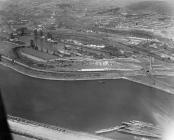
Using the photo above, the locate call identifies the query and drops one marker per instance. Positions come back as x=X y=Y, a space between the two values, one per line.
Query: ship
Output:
x=135 y=128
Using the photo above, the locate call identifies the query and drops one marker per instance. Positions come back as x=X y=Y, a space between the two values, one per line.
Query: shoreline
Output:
x=26 y=128
x=26 y=72
x=85 y=76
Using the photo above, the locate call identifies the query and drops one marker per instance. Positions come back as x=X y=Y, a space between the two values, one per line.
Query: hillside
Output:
x=158 y=7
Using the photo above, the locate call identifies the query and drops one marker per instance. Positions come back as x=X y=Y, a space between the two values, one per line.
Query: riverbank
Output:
x=29 y=129
x=67 y=76
x=137 y=76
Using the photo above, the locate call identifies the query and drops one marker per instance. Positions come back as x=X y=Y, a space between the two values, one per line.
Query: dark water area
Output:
x=80 y=105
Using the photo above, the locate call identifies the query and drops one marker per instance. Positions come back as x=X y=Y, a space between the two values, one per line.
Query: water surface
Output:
x=80 y=105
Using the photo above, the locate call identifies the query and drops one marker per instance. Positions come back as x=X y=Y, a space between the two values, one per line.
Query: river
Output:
x=80 y=105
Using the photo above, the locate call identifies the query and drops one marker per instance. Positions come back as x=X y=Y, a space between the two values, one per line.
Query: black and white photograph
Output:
x=86 y=70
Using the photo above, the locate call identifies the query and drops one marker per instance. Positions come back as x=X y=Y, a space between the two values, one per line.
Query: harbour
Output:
x=71 y=105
